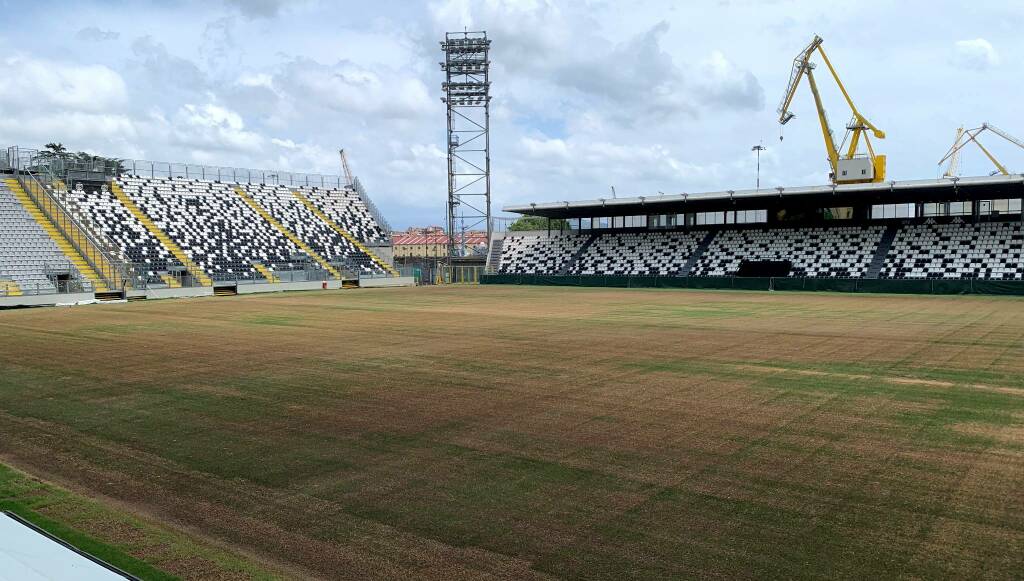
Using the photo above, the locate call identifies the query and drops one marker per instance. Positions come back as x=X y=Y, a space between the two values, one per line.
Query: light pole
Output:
x=758 y=149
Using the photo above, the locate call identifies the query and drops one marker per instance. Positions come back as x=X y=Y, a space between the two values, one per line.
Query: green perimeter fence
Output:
x=854 y=285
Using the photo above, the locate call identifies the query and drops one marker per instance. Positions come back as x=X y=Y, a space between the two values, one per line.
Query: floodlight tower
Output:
x=467 y=89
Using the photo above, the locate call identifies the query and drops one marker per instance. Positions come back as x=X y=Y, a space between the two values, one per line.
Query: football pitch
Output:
x=524 y=432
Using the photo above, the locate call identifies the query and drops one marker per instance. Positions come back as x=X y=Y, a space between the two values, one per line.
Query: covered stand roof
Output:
x=939 y=190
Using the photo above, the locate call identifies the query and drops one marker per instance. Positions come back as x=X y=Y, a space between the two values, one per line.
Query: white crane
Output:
x=963 y=137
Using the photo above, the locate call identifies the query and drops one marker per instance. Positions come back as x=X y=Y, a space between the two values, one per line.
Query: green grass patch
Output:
x=35 y=501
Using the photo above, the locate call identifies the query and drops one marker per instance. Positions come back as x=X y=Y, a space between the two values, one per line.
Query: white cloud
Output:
x=571 y=65
x=351 y=88
x=211 y=127
x=41 y=84
x=977 y=54
x=69 y=126
x=256 y=80
x=268 y=9
x=259 y=8
x=725 y=84
x=646 y=96
x=156 y=67
x=583 y=158
x=95 y=34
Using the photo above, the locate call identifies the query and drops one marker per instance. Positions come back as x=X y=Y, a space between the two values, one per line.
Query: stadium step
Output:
x=265 y=272
x=109 y=296
x=705 y=243
x=287 y=233
x=494 y=255
x=567 y=267
x=160 y=235
x=225 y=291
x=355 y=241
x=9 y=288
x=884 y=245
x=171 y=281
x=73 y=255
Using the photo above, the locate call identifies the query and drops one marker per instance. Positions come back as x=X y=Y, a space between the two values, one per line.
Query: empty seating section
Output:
x=283 y=206
x=213 y=225
x=844 y=251
x=644 y=253
x=149 y=257
x=347 y=209
x=538 y=253
x=814 y=252
x=957 y=251
x=28 y=256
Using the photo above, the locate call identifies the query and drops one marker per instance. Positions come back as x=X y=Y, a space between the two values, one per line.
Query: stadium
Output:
x=212 y=372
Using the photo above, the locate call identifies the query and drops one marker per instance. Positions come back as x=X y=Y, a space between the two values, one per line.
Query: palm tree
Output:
x=54 y=150
x=57 y=152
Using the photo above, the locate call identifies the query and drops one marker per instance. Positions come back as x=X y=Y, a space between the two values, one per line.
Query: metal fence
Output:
x=101 y=167
x=461 y=274
x=44 y=174
x=93 y=247
x=66 y=286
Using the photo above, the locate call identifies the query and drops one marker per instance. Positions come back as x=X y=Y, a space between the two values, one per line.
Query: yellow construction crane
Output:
x=963 y=137
x=847 y=167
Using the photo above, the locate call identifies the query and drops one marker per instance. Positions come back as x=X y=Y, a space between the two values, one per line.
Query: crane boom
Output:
x=1003 y=134
x=801 y=64
x=345 y=168
x=953 y=155
x=847 y=167
x=971 y=135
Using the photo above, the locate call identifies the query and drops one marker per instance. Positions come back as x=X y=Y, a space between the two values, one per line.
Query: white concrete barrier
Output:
x=277 y=287
x=385 y=282
x=175 y=293
x=47 y=300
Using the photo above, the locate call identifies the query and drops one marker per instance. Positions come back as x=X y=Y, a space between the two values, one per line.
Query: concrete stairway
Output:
x=494 y=256
x=9 y=288
x=697 y=254
x=267 y=274
x=345 y=233
x=567 y=267
x=884 y=245
x=170 y=281
x=196 y=272
x=66 y=247
x=288 y=233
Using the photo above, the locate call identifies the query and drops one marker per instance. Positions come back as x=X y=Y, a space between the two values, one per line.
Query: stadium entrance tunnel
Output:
x=895 y=286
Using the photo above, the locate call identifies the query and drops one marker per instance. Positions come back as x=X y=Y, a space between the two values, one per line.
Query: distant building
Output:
x=431 y=242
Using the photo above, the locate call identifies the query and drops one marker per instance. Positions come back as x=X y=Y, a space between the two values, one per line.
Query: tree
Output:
x=58 y=158
x=537 y=223
x=54 y=150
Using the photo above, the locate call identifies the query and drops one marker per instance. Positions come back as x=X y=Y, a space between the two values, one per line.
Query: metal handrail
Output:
x=35 y=160
x=114 y=271
x=58 y=287
x=81 y=217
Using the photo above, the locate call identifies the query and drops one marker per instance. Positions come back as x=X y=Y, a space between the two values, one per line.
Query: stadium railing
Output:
x=100 y=167
x=62 y=287
x=93 y=247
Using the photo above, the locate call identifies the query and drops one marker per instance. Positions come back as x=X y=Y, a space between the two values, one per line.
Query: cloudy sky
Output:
x=645 y=96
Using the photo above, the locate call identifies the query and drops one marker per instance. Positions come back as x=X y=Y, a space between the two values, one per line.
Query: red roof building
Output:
x=430 y=242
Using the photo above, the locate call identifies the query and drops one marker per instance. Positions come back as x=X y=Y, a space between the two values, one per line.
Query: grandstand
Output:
x=135 y=229
x=967 y=229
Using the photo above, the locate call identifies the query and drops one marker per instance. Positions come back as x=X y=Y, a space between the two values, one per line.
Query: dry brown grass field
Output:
x=530 y=432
